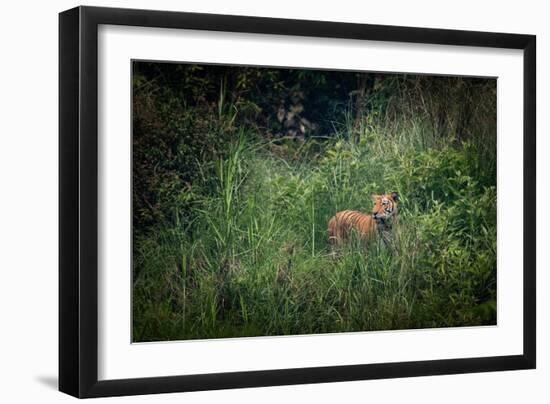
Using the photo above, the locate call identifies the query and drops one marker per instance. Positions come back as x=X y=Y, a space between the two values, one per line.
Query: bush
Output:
x=253 y=259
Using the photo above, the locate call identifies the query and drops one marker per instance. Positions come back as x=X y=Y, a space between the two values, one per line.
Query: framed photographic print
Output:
x=251 y=201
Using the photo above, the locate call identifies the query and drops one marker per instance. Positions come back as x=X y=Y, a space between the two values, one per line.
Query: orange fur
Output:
x=343 y=223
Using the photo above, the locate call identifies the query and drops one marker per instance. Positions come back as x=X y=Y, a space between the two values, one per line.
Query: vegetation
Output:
x=238 y=170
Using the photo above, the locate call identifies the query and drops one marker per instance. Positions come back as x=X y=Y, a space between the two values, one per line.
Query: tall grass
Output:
x=250 y=257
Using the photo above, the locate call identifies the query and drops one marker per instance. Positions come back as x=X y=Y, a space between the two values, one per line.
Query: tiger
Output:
x=380 y=220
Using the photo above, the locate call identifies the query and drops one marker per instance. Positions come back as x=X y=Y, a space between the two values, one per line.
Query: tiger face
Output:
x=385 y=206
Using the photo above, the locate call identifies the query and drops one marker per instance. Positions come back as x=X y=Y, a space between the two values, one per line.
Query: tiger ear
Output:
x=375 y=197
x=395 y=196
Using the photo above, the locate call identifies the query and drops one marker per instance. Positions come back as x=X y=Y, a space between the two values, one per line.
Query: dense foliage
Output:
x=238 y=170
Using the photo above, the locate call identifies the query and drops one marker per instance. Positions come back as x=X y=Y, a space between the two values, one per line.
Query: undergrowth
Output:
x=248 y=253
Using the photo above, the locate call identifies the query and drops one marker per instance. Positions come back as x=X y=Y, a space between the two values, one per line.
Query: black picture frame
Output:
x=78 y=201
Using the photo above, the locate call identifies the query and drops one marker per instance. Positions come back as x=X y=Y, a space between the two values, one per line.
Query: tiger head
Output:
x=385 y=206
